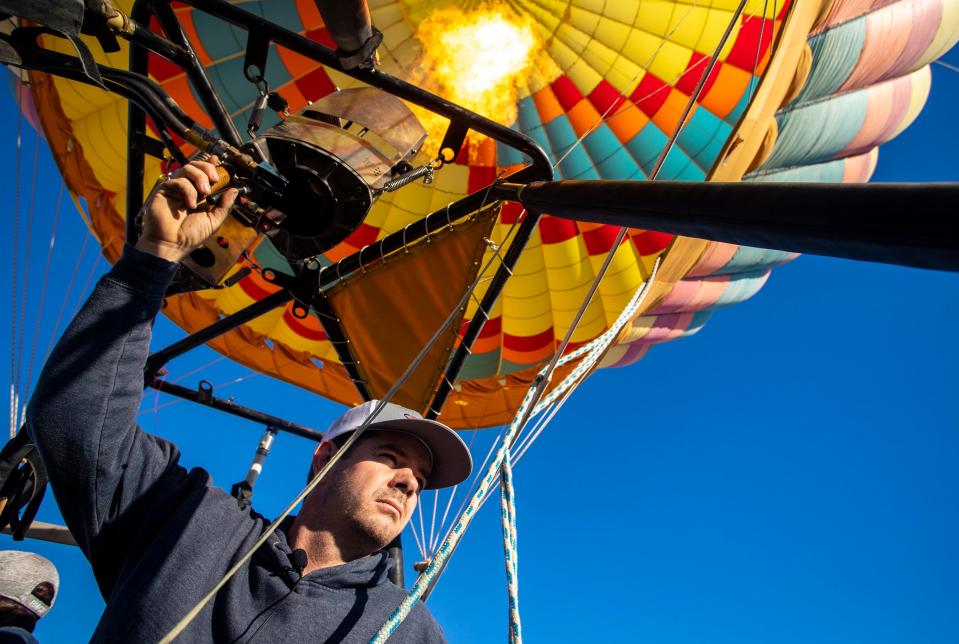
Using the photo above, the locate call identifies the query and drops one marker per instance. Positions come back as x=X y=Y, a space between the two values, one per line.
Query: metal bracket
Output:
x=302 y=287
x=148 y=145
x=365 y=56
x=203 y=395
x=453 y=140
x=257 y=51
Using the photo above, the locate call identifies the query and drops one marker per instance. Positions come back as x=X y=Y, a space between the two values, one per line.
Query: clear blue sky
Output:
x=787 y=475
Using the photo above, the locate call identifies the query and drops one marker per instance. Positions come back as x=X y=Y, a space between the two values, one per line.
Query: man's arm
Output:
x=81 y=416
x=112 y=480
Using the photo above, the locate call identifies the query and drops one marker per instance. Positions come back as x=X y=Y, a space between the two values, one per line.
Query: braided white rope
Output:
x=510 y=553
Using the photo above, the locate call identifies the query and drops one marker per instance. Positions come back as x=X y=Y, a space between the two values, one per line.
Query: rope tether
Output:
x=510 y=553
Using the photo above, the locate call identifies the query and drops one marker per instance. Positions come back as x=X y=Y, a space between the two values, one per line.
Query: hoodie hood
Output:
x=364 y=572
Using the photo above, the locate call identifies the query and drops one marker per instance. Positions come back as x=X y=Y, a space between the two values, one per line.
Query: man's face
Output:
x=371 y=493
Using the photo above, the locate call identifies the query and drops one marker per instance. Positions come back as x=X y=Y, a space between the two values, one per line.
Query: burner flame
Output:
x=477 y=59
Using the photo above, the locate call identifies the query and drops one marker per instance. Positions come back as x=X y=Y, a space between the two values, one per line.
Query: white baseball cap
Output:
x=452 y=462
x=21 y=573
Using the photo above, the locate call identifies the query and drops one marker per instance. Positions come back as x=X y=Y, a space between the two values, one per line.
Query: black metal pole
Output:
x=206 y=398
x=395 y=550
x=197 y=75
x=341 y=344
x=157 y=44
x=136 y=127
x=503 y=273
x=907 y=224
x=215 y=330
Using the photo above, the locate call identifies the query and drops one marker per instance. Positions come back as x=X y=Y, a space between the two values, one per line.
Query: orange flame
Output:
x=476 y=59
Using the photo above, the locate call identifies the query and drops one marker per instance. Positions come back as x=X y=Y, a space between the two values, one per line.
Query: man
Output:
x=159 y=537
x=28 y=586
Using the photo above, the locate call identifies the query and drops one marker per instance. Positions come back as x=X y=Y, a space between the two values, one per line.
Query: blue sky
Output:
x=788 y=474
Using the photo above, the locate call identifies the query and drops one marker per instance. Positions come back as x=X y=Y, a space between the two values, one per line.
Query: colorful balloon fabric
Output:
x=605 y=92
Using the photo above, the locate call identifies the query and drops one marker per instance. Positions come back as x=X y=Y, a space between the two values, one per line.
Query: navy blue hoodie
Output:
x=160 y=537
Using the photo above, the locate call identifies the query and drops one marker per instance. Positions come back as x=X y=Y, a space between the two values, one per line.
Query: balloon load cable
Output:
x=759 y=44
x=434 y=538
x=510 y=552
x=63 y=302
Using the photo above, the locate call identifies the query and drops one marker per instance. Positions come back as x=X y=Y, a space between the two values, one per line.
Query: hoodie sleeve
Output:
x=112 y=481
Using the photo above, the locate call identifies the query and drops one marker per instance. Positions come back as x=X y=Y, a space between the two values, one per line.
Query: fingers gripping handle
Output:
x=223 y=181
x=218 y=187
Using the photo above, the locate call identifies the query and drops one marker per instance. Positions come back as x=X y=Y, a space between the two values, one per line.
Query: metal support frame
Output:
x=540 y=167
x=204 y=396
x=159 y=358
x=181 y=52
x=540 y=170
x=136 y=127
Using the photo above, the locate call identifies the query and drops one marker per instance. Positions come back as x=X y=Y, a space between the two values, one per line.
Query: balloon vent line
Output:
x=63 y=303
x=759 y=47
x=699 y=88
